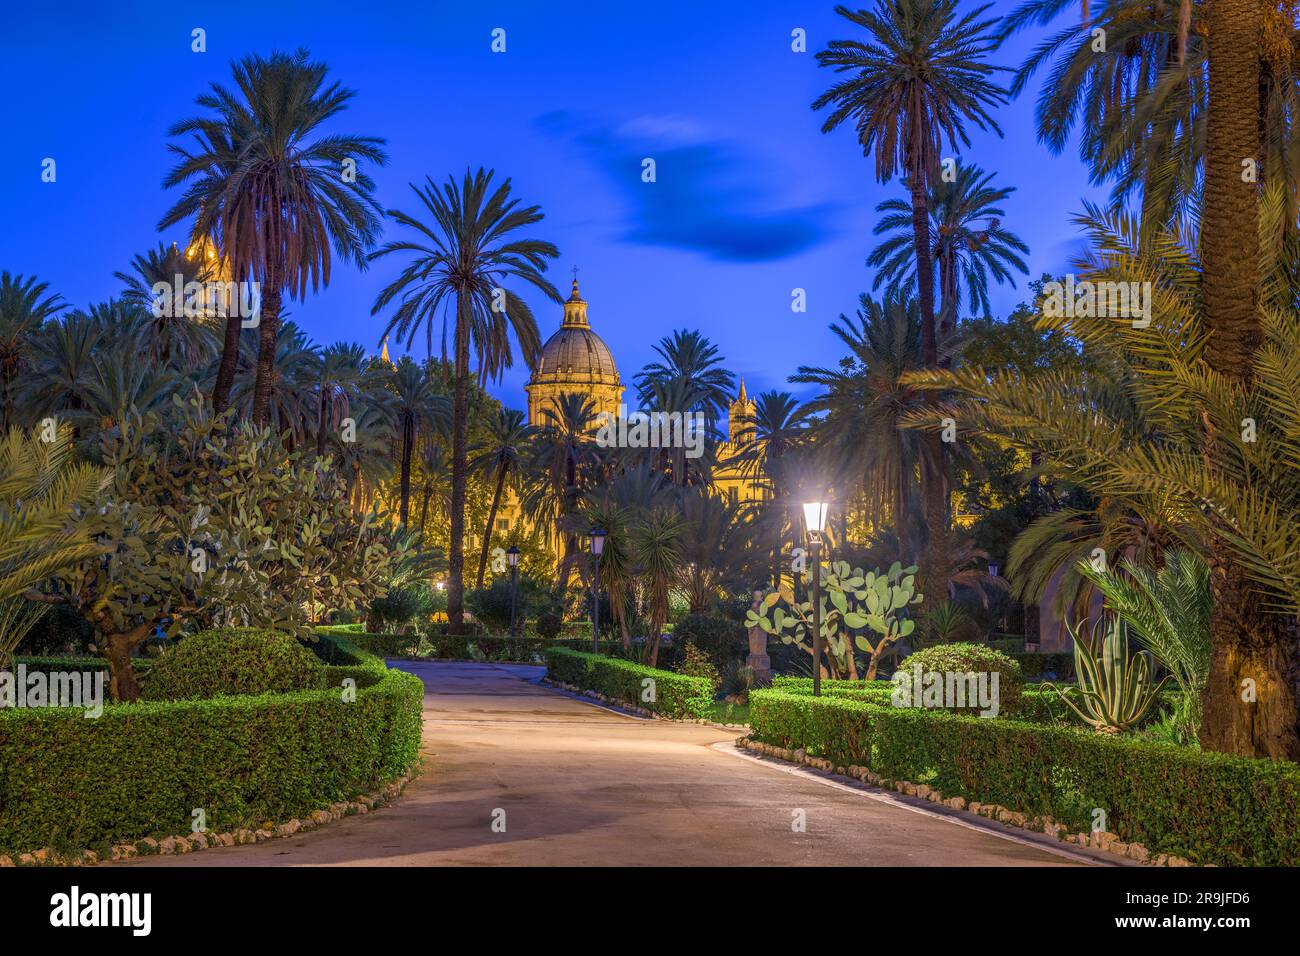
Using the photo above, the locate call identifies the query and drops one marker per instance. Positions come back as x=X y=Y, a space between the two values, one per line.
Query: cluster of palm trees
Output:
x=1182 y=429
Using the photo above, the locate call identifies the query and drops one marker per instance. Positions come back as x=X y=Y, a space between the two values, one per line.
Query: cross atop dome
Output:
x=573 y=296
x=575 y=310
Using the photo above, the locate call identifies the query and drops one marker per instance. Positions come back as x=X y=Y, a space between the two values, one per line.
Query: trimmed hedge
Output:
x=235 y=660
x=1207 y=807
x=138 y=664
x=676 y=695
x=503 y=648
x=141 y=769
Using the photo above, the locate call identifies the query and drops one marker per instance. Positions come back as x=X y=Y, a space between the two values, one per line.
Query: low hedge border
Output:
x=141 y=769
x=499 y=648
x=78 y=663
x=676 y=695
x=1206 y=807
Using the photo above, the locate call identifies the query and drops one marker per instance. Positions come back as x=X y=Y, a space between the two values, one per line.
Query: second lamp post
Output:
x=596 y=538
x=512 y=556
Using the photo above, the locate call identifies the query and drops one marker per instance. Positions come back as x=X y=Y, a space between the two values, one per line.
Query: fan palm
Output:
x=24 y=307
x=43 y=495
x=272 y=200
x=461 y=261
x=498 y=458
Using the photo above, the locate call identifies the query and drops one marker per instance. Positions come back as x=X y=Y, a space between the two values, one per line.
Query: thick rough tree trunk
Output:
x=122 y=685
x=459 y=469
x=267 y=330
x=1250 y=700
x=226 y=370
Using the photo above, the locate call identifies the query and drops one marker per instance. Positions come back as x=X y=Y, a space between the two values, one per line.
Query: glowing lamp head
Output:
x=512 y=556
x=814 y=515
x=596 y=537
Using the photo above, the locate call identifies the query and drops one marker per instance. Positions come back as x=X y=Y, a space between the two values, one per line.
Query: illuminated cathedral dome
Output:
x=574 y=360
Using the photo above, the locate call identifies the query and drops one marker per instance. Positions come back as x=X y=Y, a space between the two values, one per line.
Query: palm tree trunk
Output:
x=459 y=472
x=492 y=517
x=424 y=508
x=408 y=443
x=320 y=423
x=267 y=329
x=1249 y=703
x=933 y=571
x=226 y=370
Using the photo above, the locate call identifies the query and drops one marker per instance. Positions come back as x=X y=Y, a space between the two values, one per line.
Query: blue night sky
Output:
x=752 y=200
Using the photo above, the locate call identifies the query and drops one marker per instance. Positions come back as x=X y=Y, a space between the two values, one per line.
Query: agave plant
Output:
x=1116 y=689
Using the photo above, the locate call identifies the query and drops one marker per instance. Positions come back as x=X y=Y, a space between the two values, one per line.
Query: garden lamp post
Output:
x=512 y=558
x=814 y=517
x=596 y=538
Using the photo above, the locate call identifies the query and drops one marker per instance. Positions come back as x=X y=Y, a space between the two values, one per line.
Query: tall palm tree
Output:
x=916 y=80
x=435 y=482
x=420 y=410
x=859 y=433
x=656 y=544
x=780 y=430
x=337 y=372
x=691 y=358
x=460 y=260
x=270 y=198
x=498 y=457
x=171 y=336
x=968 y=242
x=24 y=307
x=562 y=458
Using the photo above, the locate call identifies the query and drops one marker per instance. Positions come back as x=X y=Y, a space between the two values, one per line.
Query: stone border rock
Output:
x=193 y=842
x=1099 y=840
x=623 y=705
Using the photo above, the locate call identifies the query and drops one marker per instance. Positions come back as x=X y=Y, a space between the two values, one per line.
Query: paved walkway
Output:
x=580 y=785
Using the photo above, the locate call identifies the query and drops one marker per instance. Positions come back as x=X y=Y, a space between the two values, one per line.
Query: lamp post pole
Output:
x=512 y=555
x=596 y=538
x=815 y=547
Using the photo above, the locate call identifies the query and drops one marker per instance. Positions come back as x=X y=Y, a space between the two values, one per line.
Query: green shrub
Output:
x=549 y=624
x=675 y=695
x=722 y=639
x=141 y=769
x=241 y=660
x=1034 y=665
x=1207 y=807
x=491 y=605
x=696 y=663
x=966 y=658
x=401 y=606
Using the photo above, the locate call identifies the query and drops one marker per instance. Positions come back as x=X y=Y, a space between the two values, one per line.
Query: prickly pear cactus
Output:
x=853 y=601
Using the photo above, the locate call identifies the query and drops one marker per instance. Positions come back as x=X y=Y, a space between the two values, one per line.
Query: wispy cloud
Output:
x=710 y=195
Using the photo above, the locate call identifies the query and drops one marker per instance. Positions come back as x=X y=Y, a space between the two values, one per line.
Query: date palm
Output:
x=273 y=194
x=171 y=336
x=460 y=260
x=43 y=493
x=337 y=373
x=689 y=357
x=420 y=410
x=969 y=245
x=24 y=307
x=498 y=458
x=915 y=80
x=858 y=433
x=559 y=468
x=292 y=404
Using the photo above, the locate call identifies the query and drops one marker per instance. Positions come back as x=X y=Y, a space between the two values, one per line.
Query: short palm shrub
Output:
x=969 y=658
x=242 y=660
x=401 y=606
x=549 y=624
